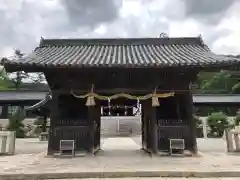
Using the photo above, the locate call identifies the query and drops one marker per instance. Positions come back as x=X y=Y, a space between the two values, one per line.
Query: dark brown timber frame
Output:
x=134 y=66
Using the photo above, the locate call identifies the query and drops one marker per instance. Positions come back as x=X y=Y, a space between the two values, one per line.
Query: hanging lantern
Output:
x=90 y=101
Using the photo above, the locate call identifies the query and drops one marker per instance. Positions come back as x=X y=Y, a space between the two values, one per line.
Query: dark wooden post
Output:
x=54 y=115
x=147 y=131
x=99 y=128
x=97 y=125
x=191 y=122
x=91 y=111
x=150 y=123
x=143 y=128
x=154 y=134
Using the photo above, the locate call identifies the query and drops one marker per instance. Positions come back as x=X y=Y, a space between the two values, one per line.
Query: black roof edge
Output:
x=40 y=103
x=121 y=41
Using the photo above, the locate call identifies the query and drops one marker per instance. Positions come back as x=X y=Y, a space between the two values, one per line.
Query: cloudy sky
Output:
x=23 y=22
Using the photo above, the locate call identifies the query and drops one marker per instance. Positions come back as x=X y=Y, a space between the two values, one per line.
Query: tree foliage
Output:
x=223 y=82
x=19 y=77
x=41 y=123
x=16 y=122
x=5 y=81
x=237 y=119
x=217 y=121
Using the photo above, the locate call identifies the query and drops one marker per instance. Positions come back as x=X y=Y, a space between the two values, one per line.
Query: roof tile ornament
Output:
x=163 y=35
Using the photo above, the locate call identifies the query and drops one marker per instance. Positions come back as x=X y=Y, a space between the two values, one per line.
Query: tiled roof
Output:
x=138 y=52
x=21 y=95
x=215 y=98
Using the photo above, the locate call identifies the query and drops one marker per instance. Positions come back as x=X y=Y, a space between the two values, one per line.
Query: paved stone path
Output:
x=156 y=179
x=118 y=155
x=30 y=146
x=34 y=146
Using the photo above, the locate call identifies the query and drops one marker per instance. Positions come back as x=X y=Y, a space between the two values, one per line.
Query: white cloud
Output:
x=184 y=28
x=6 y=51
x=231 y=42
x=23 y=22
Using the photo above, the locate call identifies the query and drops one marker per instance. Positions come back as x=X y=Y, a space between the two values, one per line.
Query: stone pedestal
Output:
x=236 y=139
x=229 y=140
x=8 y=139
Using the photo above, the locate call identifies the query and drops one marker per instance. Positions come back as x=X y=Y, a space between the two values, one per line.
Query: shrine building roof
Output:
x=123 y=52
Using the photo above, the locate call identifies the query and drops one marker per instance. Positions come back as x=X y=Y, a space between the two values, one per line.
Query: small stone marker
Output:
x=4 y=144
x=7 y=142
x=43 y=136
x=228 y=134
x=236 y=139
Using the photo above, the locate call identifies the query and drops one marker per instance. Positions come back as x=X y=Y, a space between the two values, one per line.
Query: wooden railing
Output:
x=171 y=122
x=72 y=122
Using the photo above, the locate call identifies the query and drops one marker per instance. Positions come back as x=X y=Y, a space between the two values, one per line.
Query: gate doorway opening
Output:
x=121 y=127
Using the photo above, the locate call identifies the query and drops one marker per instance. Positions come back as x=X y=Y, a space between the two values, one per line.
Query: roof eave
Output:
x=10 y=67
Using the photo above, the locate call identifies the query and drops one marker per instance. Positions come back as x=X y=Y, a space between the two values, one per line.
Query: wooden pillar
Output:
x=150 y=124
x=143 y=129
x=147 y=131
x=191 y=122
x=54 y=115
x=91 y=114
x=154 y=134
x=97 y=125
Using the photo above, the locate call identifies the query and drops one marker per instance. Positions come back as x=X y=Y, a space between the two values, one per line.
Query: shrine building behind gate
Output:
x=85 y=74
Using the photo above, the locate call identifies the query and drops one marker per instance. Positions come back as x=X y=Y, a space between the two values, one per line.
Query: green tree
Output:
x=19 y=77
x=41 y=123
x=237 y=119
x=217 y=121
x=15 y=122
x=5 y=81
x=224 y=81
x=219 y=82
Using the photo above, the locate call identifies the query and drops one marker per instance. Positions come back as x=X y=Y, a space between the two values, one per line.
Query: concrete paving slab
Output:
x=158 y=178
x=120 y=157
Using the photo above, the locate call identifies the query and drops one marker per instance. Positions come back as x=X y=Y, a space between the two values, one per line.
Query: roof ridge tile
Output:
x=121 y=41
